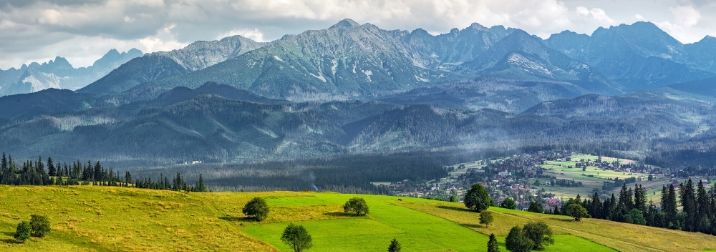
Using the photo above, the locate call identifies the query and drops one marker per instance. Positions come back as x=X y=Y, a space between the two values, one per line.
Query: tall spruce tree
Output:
x=669 y=208
x=51 y=169
x=688 y=204
x=596 y=205
x=703 y=203
x=492 y=244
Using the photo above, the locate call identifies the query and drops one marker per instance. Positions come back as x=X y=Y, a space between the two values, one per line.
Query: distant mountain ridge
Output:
x=356 y=88
x=161 y=65
x=350 y=60
x=60 y=74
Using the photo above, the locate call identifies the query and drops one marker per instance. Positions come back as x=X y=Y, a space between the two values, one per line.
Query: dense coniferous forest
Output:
x=697 y=212
x=41 y=172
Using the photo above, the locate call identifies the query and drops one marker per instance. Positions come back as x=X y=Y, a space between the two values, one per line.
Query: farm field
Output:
x=93 y=218
x=593 y=177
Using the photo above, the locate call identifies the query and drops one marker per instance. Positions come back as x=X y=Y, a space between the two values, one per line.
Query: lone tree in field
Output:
x=539 y=233
x=23 y=231
x=40 y=225
x=257 y=209
x=296 y=237
x=577 y=211
x=394 y=246
x=516 y=241
x=508 y=203
x=492 y=244
x=477 y=198
x=357 y=206
x=486 y=218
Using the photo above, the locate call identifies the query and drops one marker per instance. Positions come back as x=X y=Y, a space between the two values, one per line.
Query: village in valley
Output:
x=546 y=177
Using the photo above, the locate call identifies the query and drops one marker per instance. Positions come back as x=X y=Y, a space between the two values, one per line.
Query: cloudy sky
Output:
x=83 y=30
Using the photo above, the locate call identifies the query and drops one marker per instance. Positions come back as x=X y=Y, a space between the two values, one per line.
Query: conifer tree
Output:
x=492 y=244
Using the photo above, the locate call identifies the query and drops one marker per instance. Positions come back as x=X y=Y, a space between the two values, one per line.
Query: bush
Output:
x=535 y=207
x=486 y=218
x=23 y=231
x=40 y=225
x=635 y=216
x=297 y=237
x=477 y=198
x=394 y=246
x=577 y=211
x=508 y=203
x=539 y=233
x=357 y=206
x=516 y=241
x=257 y=209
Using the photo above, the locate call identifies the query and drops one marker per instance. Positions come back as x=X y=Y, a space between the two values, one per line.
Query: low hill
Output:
x=91 y=218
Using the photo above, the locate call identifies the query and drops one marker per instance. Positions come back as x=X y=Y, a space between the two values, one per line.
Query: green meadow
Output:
x=92 y=218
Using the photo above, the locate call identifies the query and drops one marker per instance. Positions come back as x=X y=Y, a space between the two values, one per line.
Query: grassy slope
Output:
x=102 y=218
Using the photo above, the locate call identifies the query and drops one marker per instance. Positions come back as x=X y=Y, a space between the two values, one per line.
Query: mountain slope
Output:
x=161 y=65
x=344 y=60
x=638 y=56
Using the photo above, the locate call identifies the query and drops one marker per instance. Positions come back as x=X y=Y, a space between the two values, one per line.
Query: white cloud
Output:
x=686 y=16
x=682 y=24
x=253 y=34
x=40 y=29
x=597 y=14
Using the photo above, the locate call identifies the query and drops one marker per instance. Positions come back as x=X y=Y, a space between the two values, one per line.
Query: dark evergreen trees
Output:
x=492 y=245
x=688 y=204
x=394 y=246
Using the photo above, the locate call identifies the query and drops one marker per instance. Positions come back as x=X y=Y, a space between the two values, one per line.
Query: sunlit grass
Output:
x=93 y=218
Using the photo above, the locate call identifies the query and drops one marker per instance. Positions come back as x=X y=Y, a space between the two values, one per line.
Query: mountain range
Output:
x=356 y=88
x=60 y=74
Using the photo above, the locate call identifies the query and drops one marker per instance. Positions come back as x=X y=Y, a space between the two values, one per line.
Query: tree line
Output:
x=688 y=206
x=41 y=172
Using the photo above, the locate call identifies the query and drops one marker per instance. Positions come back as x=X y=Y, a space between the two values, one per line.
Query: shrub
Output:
x=486 y=218
x=516 y=241
x=257 y=209
x=394 y=246
x=635 y=216
x=23 y=231
x=508 y=203
x=535 y=207
x=539 y=233
x=40 y=225
x=577 y=211
x=357 y=206
x=297 y=237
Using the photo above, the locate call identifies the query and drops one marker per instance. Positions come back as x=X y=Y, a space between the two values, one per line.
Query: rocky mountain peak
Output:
x=345 y=24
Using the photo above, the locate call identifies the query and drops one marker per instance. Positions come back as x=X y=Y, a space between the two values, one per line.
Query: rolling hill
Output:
x=91 y=218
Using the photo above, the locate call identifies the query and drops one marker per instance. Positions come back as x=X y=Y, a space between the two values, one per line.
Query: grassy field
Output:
x=88 y=218
x=593 y=177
